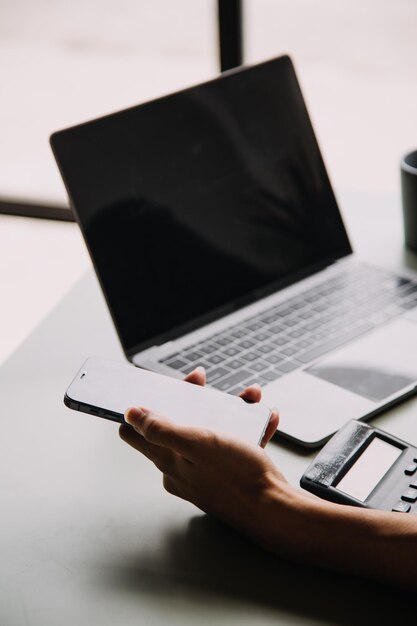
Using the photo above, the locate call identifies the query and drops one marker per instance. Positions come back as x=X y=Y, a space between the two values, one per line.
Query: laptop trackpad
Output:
x=377 y=366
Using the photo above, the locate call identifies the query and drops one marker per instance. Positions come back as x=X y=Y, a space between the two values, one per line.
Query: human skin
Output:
x=240 y=485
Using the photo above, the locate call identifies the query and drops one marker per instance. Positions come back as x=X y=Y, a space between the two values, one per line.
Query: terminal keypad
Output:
x=410 y=495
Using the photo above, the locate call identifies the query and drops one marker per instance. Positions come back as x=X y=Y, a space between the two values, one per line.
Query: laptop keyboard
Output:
x=291 y=334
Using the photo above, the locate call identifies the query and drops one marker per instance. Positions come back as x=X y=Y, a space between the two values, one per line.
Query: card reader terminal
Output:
x=367 y=467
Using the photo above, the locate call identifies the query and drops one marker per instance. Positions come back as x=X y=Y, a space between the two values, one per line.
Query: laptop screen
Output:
x=196 y=203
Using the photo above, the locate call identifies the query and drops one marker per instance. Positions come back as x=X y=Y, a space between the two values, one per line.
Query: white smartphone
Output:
x=107 y=388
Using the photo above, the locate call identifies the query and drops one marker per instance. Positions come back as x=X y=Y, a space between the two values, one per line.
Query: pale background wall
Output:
x=63 y=62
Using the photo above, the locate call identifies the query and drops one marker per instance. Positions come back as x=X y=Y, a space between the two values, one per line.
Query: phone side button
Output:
x=115 y=417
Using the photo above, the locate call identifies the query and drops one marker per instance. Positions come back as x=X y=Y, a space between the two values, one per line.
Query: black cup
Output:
x=409 y=197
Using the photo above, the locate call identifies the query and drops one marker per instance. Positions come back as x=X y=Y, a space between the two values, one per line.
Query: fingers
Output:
x=197 y=376
x=159 y=431
x=163 y=458
x=271 y=428
x=171 y=486
x=252 y=393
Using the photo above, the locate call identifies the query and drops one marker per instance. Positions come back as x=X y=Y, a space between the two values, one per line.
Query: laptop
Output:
x=217 y=240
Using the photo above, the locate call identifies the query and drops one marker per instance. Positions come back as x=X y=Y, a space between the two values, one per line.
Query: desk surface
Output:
x=88 y=536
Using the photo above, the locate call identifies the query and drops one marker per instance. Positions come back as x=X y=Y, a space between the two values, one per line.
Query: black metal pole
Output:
x=230 y=33
x=29 y=209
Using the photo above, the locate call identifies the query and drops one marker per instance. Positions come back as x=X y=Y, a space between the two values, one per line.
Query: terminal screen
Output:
x=364 y=475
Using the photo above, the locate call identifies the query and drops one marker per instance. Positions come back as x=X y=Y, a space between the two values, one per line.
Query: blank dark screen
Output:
x=197 y=200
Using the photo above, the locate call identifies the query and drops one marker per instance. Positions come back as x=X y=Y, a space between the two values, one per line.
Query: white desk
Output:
x=89 y=537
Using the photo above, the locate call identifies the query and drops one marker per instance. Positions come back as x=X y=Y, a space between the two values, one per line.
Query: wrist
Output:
x=309 y=530
x=304 y=528
x=360 y=541
x=288 y=514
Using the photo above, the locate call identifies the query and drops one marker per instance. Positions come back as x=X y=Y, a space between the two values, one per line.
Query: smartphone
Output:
x=107 y=388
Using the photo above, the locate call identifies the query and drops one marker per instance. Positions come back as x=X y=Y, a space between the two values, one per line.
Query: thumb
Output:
x=161 y=431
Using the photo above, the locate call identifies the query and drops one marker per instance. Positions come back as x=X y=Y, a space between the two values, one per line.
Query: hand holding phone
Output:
x=107 y=388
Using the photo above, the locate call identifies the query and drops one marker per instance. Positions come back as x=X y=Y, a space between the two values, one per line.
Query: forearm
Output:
x=371 y=543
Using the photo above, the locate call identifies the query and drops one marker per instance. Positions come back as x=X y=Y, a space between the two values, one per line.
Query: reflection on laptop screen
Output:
x=196 y=200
